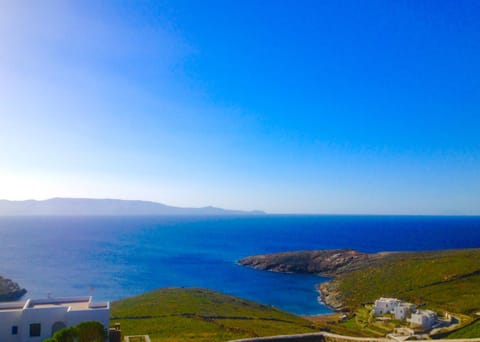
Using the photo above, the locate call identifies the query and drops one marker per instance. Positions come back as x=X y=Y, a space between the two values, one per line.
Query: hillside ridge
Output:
x=89 y=206
x=422 y=276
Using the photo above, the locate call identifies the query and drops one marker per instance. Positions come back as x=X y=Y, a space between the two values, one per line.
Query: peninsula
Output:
x=445 y=280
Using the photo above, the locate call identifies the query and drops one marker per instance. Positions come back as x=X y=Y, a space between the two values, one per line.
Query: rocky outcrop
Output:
x=325 y=262
x=10 y=290
x=331 y=295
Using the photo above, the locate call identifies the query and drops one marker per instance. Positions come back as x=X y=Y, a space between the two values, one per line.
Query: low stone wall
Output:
x=341 y=338
x=316 y=337
x=328 y=337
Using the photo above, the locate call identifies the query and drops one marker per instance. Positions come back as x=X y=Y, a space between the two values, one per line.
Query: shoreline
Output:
x=330 y=296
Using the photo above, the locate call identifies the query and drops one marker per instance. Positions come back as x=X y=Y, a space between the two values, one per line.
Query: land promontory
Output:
x=10 y=290
x=325 y=262
x=445 y=279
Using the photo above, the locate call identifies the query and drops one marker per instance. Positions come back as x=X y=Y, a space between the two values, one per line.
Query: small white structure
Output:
x=423 y=318
x=403 y=310
x=402 y=334
x=36 y=320
x=385 y=306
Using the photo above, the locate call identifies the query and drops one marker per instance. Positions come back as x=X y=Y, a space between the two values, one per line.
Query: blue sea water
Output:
x=116 y=257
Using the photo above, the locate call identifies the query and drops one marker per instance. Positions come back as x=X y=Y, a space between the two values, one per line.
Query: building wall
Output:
x=8 y=319
x=100 y=315
x=423 y=319
x=402 y=312
x=383 y=306
x=46 y=317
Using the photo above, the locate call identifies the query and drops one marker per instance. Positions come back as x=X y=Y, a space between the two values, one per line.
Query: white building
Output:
x=385 y=306
x=403 y=310
x=36 y=320
x=423 y=318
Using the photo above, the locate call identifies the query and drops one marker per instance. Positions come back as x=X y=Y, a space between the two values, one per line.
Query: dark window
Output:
x=14 y=330
x=35 y=329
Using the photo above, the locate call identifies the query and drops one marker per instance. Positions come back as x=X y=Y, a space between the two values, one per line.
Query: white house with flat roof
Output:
x=423 y=318
x=403 y=310
x=385 y=305
x=34 y=320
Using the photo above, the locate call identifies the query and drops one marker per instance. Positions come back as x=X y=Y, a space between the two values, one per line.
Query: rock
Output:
x=10 y=290
x=324 y=262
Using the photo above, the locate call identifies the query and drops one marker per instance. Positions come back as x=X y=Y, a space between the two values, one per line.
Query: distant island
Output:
x=10 y=290
x=89 y=206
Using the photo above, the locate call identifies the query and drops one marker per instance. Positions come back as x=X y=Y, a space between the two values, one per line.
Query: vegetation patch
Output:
x=193 y=314
x=443 y=280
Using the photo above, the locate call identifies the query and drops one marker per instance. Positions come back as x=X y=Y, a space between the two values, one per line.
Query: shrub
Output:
x=91 y=332
x=66 y=335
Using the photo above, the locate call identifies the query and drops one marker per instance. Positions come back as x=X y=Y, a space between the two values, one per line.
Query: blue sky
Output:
x=285 y=106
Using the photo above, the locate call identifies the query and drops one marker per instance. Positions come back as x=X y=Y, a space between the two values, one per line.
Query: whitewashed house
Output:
x=403 y=310
x=36 y=320
x=423 y=318
x=385 y=306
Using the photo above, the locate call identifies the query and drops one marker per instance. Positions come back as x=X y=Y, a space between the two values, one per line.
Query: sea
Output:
x=116 y=257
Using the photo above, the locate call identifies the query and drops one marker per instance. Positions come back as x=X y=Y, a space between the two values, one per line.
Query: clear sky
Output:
x=286 y=106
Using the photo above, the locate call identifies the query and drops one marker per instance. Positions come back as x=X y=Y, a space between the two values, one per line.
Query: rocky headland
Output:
x=330 y=263
x=10 y=290
x=325 y=262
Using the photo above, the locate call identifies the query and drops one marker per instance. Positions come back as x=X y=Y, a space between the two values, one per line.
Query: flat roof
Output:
x=12 y=306
x=73 y=305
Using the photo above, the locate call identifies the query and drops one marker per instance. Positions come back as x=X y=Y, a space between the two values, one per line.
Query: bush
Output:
x=91 y=332
x=66 y=335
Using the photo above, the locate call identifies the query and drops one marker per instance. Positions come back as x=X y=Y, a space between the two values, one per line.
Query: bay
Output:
x=116 y=257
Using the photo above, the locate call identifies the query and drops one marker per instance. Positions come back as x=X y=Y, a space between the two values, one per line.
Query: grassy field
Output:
x=360 y=324
x=470 y=331
x=191 y=314
x=443 y=280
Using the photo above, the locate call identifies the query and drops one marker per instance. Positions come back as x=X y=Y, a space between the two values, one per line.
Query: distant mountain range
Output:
x=89 y=206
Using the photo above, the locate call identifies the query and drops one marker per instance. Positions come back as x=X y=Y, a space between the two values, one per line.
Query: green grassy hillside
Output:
x=192 y=314
x=470 y=331
x=444 y=280
x=441 y=280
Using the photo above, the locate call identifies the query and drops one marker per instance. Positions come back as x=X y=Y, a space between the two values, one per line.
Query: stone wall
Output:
x=328 y=337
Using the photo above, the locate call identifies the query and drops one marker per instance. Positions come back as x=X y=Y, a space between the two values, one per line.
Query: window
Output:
x=35 y=329
x=14 y=330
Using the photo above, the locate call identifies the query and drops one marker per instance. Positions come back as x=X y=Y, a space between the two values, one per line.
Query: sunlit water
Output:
x=116 y=257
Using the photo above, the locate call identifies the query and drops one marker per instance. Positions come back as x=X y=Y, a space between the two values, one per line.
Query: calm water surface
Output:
x=116 y=257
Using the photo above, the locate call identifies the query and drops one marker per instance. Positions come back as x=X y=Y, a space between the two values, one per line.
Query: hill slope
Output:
x=88 y=206
x=193 y=314
x=446 y=280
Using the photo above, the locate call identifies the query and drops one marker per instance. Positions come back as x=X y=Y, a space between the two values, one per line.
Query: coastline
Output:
x=330 y=296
